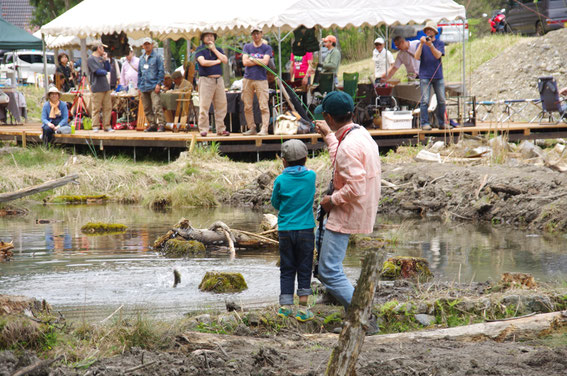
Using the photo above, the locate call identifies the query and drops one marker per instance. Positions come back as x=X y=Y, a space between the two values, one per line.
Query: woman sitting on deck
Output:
x=54 y=116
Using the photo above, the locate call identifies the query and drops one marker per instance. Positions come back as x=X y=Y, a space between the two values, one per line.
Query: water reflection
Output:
x=92 y=275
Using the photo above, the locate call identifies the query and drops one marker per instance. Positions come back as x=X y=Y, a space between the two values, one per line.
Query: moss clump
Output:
x=95 y=228
x=86 y=199
x=182 y=248
x=221 y=282
x=402 y=267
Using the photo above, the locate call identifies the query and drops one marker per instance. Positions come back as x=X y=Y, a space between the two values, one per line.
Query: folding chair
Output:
x=350 y=84
x=550 y=101
x=326 y=83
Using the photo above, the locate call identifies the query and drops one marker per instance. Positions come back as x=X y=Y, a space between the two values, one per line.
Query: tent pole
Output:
x=45 y=80
x=280 y=67
x=464 y=71
x=84 y=57
x=387 y=46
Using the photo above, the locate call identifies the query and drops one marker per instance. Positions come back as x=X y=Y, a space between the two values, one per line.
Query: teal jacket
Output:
x=293 y=195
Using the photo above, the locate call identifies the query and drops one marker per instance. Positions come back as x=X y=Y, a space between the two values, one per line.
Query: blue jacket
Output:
x=61 y=120
x=293 y=194
x=150 y=73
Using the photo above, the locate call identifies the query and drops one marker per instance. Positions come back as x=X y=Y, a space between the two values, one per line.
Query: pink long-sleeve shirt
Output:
x=356 y=181
x=130 y=72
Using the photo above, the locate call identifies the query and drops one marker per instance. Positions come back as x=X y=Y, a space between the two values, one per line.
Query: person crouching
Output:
x=292 y=196
x=54 y=116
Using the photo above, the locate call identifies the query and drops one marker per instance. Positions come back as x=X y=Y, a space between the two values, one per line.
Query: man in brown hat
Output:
x=211 y=84
x=99 y=67
x=429 y=53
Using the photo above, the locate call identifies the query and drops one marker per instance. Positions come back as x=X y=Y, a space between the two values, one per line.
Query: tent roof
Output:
x=14 y=38
x=184 y=19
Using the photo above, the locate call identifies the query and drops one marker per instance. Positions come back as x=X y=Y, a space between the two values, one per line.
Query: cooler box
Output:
x=396 y=119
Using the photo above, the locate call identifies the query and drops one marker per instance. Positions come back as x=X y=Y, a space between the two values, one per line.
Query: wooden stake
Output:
x=39 y=188
x=345 y=354
x=24 y=139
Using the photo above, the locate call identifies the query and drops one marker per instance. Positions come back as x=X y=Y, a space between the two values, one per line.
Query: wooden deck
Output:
x=235 y=143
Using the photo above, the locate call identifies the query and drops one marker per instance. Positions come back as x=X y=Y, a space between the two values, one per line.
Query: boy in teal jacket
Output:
x=293 y=195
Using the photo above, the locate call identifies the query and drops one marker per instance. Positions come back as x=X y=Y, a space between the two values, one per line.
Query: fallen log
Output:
x=37 y=365
x=4 y=197
x=524 y=327
x=215 y=235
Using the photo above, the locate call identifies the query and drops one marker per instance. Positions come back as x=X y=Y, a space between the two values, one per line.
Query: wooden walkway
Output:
x=237 y=143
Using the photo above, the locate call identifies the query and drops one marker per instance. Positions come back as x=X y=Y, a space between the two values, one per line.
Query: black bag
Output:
x=305 y=41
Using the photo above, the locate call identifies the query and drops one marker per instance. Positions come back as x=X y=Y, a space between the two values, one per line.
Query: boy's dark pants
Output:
x=296 y=257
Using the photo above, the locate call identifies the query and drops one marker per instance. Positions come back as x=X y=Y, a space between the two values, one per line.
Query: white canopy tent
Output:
x=177 y=19
x=184 y=19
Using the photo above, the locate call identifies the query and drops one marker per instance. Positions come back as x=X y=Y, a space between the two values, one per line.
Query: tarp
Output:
x=184 y=19
x=14 y=38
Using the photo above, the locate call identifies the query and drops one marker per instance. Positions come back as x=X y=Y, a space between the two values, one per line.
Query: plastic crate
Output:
x=396 y=119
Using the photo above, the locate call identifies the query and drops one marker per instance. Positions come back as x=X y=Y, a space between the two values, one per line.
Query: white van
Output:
x=29 y=63
x=452 y=31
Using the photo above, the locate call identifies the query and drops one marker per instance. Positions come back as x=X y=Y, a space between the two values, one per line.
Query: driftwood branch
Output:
x=140 y=366
x=345 y=354
x=36 y=365
x=4 y=197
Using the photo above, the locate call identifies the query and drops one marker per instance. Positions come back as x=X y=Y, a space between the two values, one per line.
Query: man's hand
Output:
x=51 y=125
x=327 y=204
x=563 y=91
x=423 y=39
x=211 y=46
x=157 y=89
x=322 y=127
x=305 y=80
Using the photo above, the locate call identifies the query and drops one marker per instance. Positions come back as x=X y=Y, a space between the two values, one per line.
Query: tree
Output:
x=46 y=10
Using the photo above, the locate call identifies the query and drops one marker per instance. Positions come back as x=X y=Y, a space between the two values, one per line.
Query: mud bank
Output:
x=523 y=196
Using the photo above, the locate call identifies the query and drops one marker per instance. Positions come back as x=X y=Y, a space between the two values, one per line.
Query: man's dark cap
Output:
x=336 y=103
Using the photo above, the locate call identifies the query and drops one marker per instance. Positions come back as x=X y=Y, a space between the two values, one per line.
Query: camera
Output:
x=428 y=39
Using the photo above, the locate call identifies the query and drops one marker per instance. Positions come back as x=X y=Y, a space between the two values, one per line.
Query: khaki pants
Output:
x=211 y=90
x=101 y=101
x=152 y=108
x=263 y=95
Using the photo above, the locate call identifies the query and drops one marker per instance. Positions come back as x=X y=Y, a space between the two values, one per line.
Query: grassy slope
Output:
x=478 y=51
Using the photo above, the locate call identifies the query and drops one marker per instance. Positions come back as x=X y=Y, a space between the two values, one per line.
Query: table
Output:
x=16 y=106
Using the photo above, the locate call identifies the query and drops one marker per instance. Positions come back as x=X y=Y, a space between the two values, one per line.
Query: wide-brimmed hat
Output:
x=431 y=25
x=207 y=31
x=336 y=103
x=294 y=150
x=53 y=89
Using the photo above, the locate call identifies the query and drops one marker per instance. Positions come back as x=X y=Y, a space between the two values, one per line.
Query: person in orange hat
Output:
x=332 y=59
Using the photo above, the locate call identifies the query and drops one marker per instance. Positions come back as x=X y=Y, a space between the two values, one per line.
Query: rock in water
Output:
x=182 y=248
x=402 y=267
x=221 y=282
x=176 y=278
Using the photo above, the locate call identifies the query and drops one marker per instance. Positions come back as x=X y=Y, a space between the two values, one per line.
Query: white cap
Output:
x=379 y=40
x=147 y=40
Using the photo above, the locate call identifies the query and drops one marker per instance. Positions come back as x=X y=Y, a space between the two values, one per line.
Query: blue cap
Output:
x=336 y=103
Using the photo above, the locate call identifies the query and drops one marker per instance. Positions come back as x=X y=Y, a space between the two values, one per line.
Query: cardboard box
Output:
x=396 y=119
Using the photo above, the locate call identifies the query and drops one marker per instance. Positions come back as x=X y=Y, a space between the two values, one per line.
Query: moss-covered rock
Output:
x=221 y=282
x=403 y=267
x=182 y=248
x=80 y=199
x=98 y=228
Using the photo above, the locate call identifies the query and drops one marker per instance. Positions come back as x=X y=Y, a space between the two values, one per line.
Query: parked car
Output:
x=536 y=17
x=28 y=63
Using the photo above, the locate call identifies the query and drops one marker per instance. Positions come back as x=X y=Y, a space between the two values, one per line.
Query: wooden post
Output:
x=24 y=139
x=345 y=354
x=167 y=55
x=84 y=57
x=193 y=140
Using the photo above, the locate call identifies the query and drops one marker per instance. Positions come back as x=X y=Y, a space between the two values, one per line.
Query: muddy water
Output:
x=88 y=276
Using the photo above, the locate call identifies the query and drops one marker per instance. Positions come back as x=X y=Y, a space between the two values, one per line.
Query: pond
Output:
x=90 y=276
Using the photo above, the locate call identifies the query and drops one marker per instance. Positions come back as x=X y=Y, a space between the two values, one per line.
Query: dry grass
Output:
x=201 y=179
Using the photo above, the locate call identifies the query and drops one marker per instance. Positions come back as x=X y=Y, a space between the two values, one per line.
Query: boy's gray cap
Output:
x=294 y=150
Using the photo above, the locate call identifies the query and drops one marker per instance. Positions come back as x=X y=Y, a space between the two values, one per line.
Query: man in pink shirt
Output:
x=356 y=181
x=130 y=70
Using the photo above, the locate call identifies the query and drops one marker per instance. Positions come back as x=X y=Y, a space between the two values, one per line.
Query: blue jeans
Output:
x=438 y=86
x=331 y=273
x=296 y=258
